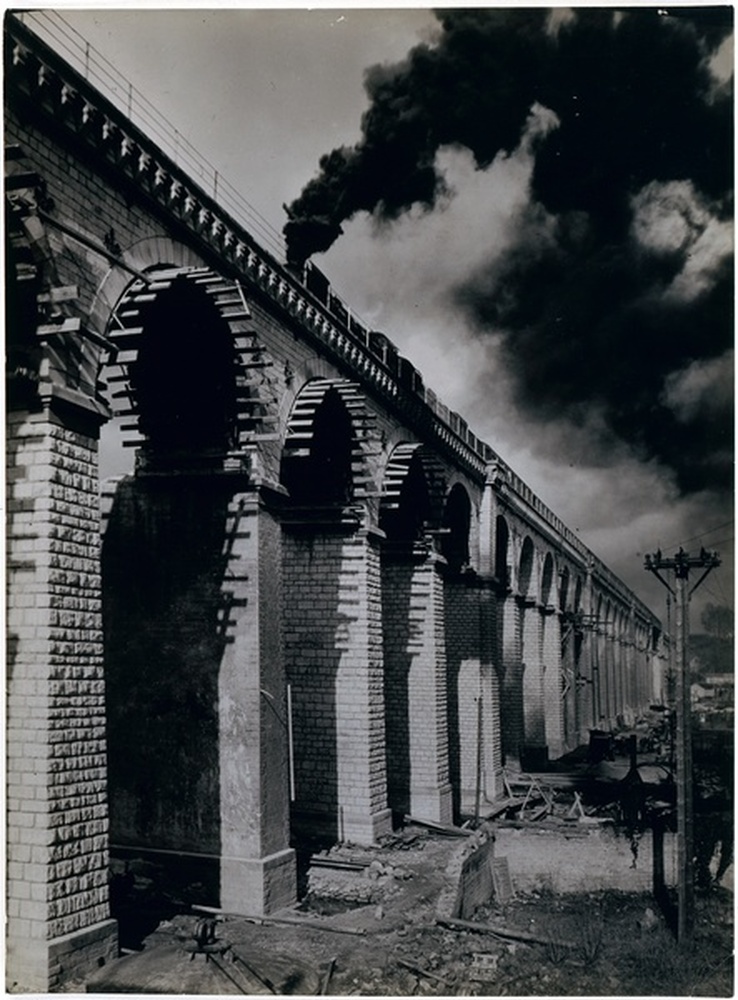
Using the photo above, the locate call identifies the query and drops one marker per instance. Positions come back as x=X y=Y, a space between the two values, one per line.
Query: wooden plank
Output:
x=327 y=978
x=419 y=970
x=312 y=925
x=452 y=831
x=505 y=805
x=503 y=932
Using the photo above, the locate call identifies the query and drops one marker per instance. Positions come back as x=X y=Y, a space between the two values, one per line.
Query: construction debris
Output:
x=422 y=972
x=314 y=925
x=327 y=977
x=444 y=828
x=503 y=932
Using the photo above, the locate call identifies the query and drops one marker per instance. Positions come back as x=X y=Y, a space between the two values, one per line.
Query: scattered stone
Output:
x=483 y=966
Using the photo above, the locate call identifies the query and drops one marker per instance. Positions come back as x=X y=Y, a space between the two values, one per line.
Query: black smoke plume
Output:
x=622 y=302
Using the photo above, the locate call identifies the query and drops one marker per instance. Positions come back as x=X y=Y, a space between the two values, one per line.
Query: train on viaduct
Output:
x=318 y=603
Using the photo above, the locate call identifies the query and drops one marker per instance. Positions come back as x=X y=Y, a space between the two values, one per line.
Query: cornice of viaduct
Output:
x=72 y=107
x=75 y=108
x=518 y=499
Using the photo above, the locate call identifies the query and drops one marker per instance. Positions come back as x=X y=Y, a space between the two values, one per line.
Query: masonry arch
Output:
x=569 y=659
x=582 y=656
x=564 y=595
x=598 y=661
x=182 y=378
x=609 y=662
x=502 y=544
x=577 y=604
x=179 y=370
x=323 y=460
x=186 y=376
x=153 y=253
x=622 y=678
x=316 y=461
x=405 y=506
x=525 y=567
x=413 y=624
x=332 y=643
x=456 y=525
x=547 y=580
x=461 y=643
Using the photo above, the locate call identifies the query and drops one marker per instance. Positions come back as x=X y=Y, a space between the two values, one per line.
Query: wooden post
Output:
x=685 y=811
x=681 y=564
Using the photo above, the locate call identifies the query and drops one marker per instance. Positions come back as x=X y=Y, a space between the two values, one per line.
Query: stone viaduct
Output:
x=319 y=603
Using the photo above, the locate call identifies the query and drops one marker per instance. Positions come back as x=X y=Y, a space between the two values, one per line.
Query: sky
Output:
x=536 y=207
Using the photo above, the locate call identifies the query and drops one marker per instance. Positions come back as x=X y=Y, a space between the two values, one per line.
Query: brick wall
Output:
x=84 y=197
x=553 y=702
x=197 y=704
x=533 y=694
x=165 y=631
x=490 y=692
x=333 y=653
x=415 y=689
x=464 y=660
x=509 y=615
x=56 y=762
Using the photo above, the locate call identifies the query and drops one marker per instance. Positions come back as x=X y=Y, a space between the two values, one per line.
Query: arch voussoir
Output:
x=128 y=327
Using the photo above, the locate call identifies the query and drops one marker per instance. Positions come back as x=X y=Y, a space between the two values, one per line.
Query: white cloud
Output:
x=673 y=218
x=702 y=388
x=721 y=67
x=706 y=256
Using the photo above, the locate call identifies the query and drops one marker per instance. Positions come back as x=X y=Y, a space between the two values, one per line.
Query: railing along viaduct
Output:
x=318 y=602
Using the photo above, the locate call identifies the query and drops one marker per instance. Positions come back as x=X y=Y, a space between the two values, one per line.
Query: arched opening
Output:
x=409 y=583
x=502 y=541
x=183 y=378
x=581 y=677
x=547 y=579
x=317 y=457
x=405 y=508
x=525 y=570
x=564 y=589
x=175 y=562
x=598 y=663
x=456 y=524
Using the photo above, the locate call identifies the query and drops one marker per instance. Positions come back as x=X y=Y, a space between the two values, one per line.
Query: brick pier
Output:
x=58 y=918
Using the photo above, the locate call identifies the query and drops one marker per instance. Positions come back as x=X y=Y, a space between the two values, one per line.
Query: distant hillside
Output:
x=709 y=654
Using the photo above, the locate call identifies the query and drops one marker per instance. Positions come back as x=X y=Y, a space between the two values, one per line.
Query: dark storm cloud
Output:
x=463 y=91
x=617 y=294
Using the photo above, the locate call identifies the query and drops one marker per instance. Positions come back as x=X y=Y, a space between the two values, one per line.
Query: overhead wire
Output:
x=92 y=63
x=702 y=534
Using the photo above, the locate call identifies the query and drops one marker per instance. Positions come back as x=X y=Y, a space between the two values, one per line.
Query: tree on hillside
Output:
x=717 y=620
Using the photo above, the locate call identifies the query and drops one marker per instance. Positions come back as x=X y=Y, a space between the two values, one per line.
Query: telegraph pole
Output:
x=681 y=564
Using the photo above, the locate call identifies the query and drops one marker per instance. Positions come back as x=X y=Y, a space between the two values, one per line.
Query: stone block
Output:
x=258 y=886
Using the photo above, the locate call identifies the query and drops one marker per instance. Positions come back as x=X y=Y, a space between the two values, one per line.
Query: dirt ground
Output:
x=368 y=927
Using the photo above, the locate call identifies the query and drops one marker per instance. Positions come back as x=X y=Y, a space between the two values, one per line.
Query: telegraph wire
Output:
x=722 y=541
x=719 y=597
x=702 y=534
